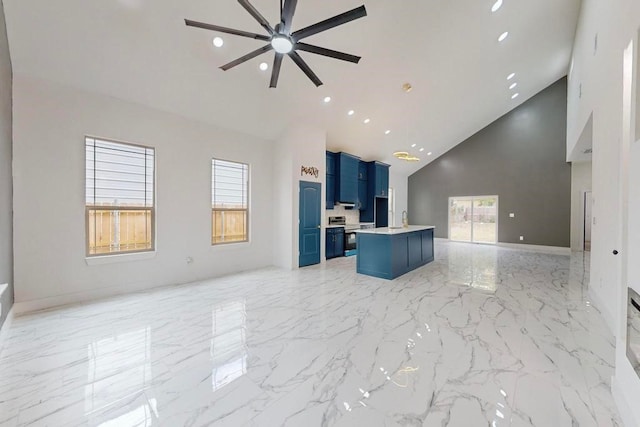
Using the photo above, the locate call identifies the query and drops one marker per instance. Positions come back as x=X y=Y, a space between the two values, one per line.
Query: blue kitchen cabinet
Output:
x=330 y=180
x=362 y=195
x=334 y=244
x=362 y=186
x=362 y=171
x=347 y=178
x=395 y=252
x=331 y=163
x=381 y=179
x=375 y=205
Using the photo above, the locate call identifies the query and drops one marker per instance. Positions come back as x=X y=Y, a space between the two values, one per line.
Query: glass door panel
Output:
x=484 y=219
x=473 y=219
x=460 y=211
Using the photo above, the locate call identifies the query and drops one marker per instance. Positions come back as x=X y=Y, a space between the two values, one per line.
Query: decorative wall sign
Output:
x=309 y=170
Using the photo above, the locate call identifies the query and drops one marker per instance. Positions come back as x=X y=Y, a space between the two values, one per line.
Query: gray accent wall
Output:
x=521 y=158
x=6 y=180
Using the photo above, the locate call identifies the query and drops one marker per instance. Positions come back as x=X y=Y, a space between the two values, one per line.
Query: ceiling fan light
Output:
x=281 y=44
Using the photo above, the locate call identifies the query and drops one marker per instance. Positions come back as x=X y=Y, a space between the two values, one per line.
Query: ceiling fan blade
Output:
x=287 y=15
x=327 y=24
x=327 y=52
x=220 y=29
x=256 y=15
x=248 y=56
x=305 y=68
x=277 y=63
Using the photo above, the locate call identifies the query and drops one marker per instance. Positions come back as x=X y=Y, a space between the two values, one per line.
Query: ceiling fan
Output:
x=284 y=41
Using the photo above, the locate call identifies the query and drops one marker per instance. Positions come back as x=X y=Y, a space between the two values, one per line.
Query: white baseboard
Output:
x=554 y=250
x=623 y=405
x=22 y=307
x=4 y=329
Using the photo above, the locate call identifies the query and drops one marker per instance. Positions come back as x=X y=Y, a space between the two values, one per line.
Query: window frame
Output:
x=246 y=210
x=88 y=208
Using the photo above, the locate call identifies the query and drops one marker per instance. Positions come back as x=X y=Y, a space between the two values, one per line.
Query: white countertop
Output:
x=335 y=226
x=396 y=230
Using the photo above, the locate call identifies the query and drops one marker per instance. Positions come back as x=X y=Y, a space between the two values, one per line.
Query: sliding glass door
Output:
x=473 y=219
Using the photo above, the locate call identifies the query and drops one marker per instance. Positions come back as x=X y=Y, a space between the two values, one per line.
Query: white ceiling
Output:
x=140 y=50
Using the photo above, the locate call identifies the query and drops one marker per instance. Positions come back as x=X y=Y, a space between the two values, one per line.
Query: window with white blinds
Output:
x=119 y=197
x=229 y=202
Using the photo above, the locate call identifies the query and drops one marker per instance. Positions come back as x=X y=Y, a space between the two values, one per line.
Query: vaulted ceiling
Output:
x=141 y=51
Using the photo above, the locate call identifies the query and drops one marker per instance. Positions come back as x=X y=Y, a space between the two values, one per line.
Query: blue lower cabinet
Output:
x=334 y=243
x=391 y=255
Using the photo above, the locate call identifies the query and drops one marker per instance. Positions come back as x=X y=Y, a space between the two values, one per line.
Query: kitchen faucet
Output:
x=405 y=219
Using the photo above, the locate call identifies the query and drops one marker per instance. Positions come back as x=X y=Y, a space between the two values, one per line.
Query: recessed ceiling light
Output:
x=429 y=153
x=264 y=66
x=503 y=36
x=513 y=85
x=497 y=5
x=514 y=96
x=413 y=145
x=351 y=112
x=510 y=76
x=387 y=132
x=327 y=99
x=218 y=42
x=421 y=150
x=366 y=121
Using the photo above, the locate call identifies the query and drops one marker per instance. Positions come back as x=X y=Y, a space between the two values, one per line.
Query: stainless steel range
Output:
x=349 y=232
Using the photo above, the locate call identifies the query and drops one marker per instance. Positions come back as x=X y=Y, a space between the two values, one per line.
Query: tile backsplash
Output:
x=352 y=215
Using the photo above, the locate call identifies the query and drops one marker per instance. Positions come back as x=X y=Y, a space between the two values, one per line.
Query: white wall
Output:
x=282 y=203
x=580 y=182
x=300 y=145
x=50 y=123
x=6 y=203
x=598 y=75
x=400 y=185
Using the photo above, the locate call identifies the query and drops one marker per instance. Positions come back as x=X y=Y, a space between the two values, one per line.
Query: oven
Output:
x=349 y=240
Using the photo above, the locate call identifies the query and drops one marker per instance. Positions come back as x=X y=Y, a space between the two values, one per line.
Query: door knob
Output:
x=615 y=252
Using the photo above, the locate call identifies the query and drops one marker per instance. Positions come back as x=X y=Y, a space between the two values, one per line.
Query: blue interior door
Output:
x=309 y=229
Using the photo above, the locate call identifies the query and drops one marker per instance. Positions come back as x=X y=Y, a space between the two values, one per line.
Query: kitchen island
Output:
x=390 y=252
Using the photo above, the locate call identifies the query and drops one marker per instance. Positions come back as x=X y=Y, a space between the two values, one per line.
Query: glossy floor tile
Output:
x=482 y=336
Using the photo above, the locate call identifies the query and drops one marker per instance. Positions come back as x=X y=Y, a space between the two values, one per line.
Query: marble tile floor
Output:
x=483 y=336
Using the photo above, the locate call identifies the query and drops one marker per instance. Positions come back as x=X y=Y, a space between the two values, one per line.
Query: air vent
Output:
x=588 y=151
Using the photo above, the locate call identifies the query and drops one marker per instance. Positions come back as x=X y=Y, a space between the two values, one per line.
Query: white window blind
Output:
x=229 y=196
x=119 y=196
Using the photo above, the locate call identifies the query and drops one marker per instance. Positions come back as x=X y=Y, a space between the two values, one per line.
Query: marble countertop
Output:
x=396 y=230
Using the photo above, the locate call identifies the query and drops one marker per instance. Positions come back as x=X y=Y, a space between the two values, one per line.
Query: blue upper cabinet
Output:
x=380 y=180
x=331 y=163
x=362 y=171
x=347 y=178
x=362 y=186
x=330 y=180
